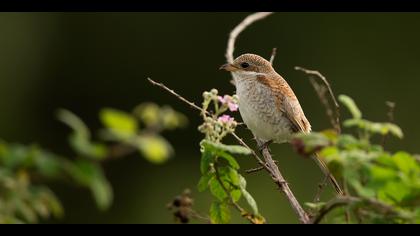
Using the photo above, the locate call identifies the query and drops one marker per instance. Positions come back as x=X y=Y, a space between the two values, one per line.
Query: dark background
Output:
x=86 y=61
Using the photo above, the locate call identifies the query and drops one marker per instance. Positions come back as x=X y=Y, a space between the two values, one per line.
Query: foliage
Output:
x=219 y=167
x=25 y=171
x=381 y=186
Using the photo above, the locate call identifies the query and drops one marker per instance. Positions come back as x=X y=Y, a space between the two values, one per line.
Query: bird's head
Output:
x=248 y=65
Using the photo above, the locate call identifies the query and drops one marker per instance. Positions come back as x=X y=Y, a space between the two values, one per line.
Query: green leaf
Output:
x=207 y=159
x=394 y=192
x=230 y=159
x=351 y=106
x=405 y=162
x=154 y=148
x=395 y=130
x=248 y=197
x=234 y=149
x=315 y=205
x=74 y=122
x=80 y=139
x=217 y=189
x=90 y=175
x=120 y=123
x=236 y=194
x=219 y=213
x=203 y=184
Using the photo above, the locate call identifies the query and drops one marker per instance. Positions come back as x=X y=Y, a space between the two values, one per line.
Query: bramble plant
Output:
x=219 y=167
x=24 y=170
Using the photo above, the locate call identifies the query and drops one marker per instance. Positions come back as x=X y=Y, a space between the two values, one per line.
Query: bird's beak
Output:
x=228 y=67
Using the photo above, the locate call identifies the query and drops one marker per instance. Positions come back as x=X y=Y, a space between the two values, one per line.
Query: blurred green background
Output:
x=86 y=61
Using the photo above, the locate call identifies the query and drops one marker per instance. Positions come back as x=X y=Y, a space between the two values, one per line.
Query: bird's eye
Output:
x=244 y=65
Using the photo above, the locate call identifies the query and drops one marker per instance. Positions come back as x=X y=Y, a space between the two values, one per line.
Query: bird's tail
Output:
x=327 y=173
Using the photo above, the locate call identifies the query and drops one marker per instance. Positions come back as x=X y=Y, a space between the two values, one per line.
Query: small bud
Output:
x=214 y=91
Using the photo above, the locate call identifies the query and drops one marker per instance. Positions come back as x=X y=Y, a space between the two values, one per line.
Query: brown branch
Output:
x=284 y=186
x=321 y=91
x=239 y=28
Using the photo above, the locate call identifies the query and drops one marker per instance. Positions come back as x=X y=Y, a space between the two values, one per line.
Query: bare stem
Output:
x=239 y=28
x=273 y=55
x=390 y=114
x=320 y=90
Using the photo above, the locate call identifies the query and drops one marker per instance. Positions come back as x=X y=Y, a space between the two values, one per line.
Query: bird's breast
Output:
x=257 y=106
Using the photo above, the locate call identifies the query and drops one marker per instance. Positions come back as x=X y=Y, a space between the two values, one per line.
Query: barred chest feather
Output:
x=258 y=110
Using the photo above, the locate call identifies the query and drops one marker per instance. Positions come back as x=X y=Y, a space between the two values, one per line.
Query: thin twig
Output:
x=161 y=85
x=175 y=94
x=335 y=122
x=239 y=28
x=390 y=114
x=321 y=187
x=257 y=169
x=273 y=55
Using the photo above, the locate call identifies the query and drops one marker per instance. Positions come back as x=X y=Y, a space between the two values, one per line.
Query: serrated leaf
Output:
x=351 y=106
x=219 y=213
x=120 y=123
x=217 y=189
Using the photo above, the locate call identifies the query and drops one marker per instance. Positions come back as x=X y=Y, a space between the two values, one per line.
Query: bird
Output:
x=268 y=106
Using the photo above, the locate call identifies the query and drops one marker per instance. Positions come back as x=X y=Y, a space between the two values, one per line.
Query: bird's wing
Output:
x=293 y=111
x=287 y=102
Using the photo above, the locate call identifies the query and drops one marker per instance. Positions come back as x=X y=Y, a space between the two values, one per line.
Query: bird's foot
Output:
x=263 y=146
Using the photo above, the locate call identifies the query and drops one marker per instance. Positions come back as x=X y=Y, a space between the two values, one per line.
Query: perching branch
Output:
x=271 y=167
x=321 y=91
x=239 y=28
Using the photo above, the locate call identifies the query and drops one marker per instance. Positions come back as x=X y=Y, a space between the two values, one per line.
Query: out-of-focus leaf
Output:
x=80 y=140
x=91 y=175
x=351 y=106
x=405 y=162
x=120 y=123
x=74 y=122
x=149 y=113
x=154 y=148
x=172 y=119
x=393 y=192
x=219 y=213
